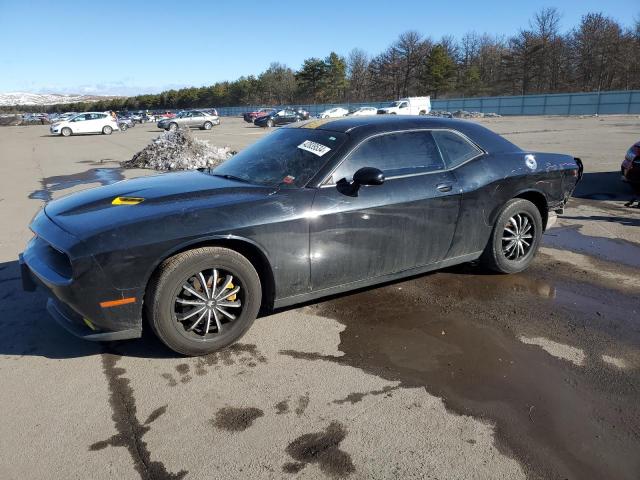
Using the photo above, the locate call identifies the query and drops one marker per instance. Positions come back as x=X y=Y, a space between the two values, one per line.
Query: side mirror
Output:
x=368 y=176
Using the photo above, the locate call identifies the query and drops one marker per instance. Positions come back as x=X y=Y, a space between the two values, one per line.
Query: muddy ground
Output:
x=455 y=374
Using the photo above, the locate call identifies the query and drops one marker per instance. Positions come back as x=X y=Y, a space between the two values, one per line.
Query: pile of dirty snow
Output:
x=178 y=150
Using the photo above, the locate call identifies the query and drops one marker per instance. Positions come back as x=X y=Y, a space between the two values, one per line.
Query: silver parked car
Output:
x=190 y=118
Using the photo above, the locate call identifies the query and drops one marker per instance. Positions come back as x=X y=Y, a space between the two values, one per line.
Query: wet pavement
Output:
x=99 y=176
x=460 y=373
x=456 y=333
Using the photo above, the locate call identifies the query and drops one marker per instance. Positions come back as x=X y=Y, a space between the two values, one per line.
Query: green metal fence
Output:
x=624 y=102
x=601 y=103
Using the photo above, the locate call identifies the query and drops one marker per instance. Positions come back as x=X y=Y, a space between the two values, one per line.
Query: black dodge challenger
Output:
x=313 y=209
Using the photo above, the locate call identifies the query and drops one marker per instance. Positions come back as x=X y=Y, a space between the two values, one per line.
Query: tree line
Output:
x=598 y=54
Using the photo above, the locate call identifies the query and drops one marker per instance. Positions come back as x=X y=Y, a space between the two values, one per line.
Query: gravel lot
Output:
x=456 y=374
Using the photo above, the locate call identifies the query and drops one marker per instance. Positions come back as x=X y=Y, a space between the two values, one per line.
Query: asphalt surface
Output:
x=454 y=374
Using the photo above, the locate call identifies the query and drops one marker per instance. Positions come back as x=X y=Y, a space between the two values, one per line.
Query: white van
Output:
x=408 y=106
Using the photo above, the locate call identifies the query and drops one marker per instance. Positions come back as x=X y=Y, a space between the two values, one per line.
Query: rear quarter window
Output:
x=455 y=148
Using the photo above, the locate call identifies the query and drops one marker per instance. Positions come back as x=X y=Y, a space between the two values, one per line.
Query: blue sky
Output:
x=130 y=47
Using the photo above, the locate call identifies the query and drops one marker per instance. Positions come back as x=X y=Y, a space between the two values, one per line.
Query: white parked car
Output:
x=363 y=111
x=334 y=113
x=408 y=106
x=88 y=122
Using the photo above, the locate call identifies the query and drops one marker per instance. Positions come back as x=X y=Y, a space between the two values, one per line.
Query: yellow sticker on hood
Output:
x=127 y=201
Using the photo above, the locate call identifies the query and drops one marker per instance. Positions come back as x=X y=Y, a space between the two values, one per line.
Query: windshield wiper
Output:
x=231 y=177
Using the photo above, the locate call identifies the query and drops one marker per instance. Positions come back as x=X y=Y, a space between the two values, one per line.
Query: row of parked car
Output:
x=271 y=117
x=72 y=123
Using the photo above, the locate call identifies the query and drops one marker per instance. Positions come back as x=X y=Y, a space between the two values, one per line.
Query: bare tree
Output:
x=411 y=51
x=358 y=75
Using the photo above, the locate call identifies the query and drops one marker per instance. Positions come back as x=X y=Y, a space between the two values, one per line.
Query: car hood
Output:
x=87 y=212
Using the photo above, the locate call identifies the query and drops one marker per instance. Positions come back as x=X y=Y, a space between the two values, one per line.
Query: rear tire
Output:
x=172 y=127
x=515 y=238
x=107 y=130
x=123 y=127
x=65 y=132
x=270 y=123
x=165 y=300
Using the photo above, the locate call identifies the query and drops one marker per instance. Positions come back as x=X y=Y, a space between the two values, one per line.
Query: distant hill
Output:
x=25 y=98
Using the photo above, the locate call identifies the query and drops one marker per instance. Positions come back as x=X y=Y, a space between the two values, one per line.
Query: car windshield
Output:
x=393 y=104
x=287 y=158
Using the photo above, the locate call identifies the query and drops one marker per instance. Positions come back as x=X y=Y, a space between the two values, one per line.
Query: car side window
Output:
x=401 y=153
x=455 y=148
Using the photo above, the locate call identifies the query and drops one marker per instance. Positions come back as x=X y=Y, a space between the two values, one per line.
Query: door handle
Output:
x=444 y=187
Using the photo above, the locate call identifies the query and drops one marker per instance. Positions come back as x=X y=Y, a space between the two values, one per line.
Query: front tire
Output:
x=270 y=123
x=107 y=130
x=203 y=300
x=515 y=238
x=173 y=127
x=65 y=132
x=123 y=127
x=207 y=125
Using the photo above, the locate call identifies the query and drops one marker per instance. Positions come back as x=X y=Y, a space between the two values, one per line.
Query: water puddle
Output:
x=103 y=176
x=449 y=333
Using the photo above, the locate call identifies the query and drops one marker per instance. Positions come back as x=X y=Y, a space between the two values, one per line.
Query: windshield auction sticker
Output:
x=313 y=147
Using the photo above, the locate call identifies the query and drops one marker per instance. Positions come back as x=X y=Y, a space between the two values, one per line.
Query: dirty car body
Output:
x=308 y=235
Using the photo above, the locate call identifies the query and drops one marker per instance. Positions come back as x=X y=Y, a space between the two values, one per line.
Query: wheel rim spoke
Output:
x=195 y=311
x=204 y=284
x=193 y=292
x=218 y=323
x=225 y=295
x=223 y=286
x=230 y=304
x=214 y=282
x=197 y=321
x=227 y=314
x=206 y=329
x=190 y=302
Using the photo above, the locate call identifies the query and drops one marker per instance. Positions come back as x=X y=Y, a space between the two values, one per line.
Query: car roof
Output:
x=364 y=126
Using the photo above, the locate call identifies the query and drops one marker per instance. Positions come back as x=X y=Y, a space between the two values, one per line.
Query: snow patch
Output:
x=178 y=150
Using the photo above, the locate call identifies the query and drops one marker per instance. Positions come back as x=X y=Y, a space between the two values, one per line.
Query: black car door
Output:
x=407 y=221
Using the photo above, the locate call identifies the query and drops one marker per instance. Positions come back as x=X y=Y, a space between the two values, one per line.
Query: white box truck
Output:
x=408 y=106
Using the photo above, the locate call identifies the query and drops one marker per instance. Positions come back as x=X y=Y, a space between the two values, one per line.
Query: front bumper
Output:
x=75 y=300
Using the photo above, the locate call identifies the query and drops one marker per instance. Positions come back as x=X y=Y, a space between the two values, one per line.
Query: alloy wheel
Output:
x=207 y=301
x=517 y=237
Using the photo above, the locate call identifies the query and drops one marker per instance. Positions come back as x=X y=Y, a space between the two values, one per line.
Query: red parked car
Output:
x=630 y=167
x=167 y=114
x=249 y=117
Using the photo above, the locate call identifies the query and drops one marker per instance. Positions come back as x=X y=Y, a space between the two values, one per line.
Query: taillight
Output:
x=578 y=172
